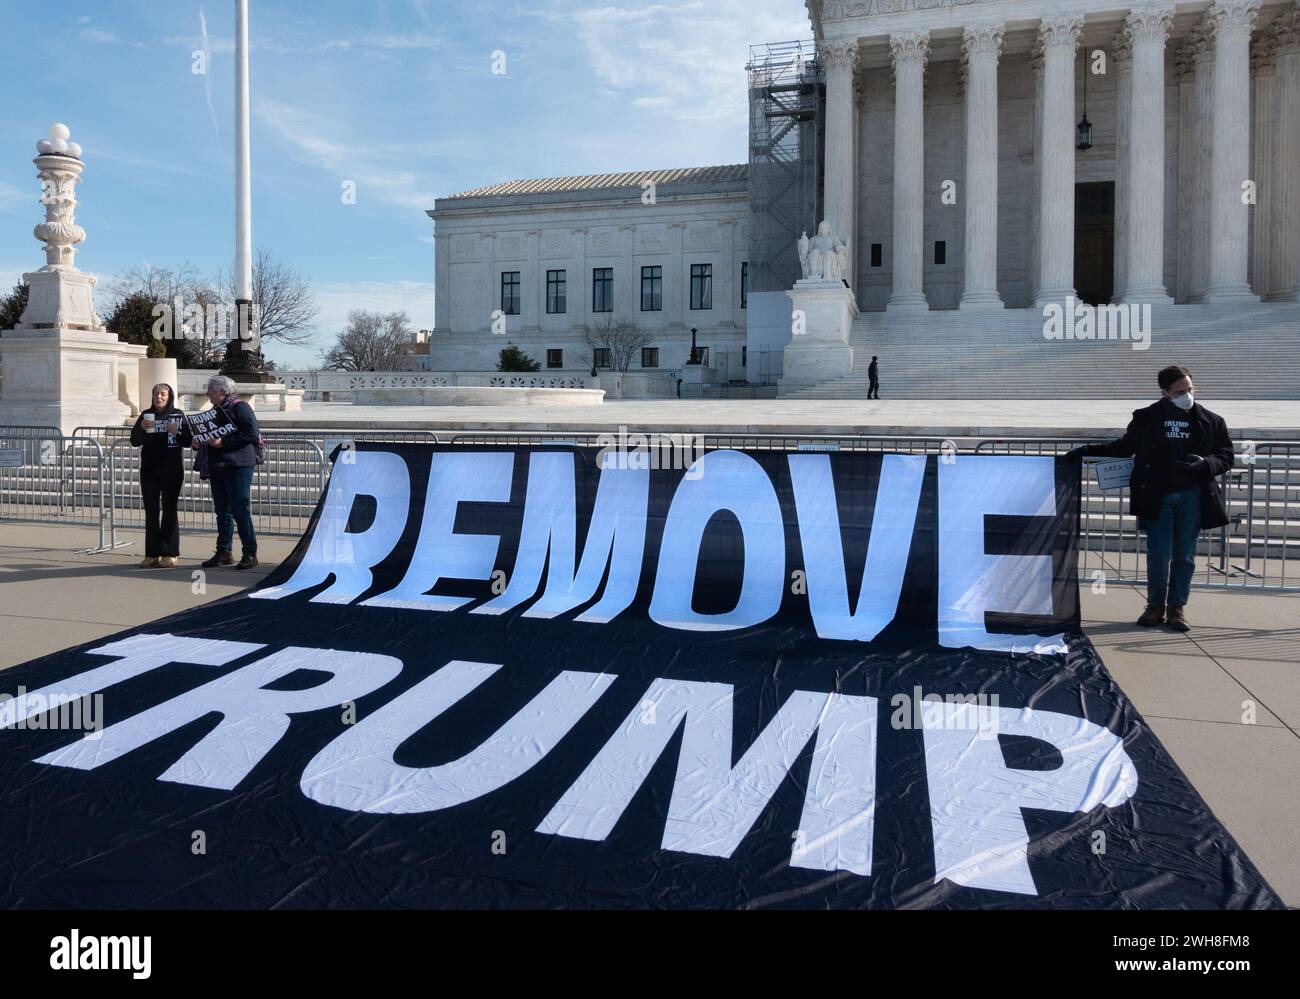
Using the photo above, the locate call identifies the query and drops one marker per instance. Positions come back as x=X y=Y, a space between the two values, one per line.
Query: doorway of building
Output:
x=1094 y=241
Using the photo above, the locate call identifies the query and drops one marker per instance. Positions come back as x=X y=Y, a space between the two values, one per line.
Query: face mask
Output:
x=1183 y=401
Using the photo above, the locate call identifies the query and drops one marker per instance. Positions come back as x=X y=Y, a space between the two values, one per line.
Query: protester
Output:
x=227 y=463
x=873 y=377
x=1179 y=449
x=162 y=436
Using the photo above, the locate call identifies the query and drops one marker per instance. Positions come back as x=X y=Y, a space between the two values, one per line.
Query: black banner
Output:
x=558 y=676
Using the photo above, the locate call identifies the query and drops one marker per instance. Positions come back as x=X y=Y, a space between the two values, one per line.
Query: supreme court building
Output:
x=982 y=160
x=1195 y=114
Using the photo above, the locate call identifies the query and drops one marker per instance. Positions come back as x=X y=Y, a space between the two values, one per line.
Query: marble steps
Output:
x=1248 y=352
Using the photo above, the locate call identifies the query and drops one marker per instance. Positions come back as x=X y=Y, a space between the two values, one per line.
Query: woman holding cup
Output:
x=162 y=435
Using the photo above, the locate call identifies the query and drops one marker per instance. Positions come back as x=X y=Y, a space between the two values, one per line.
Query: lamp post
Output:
x=695 y=351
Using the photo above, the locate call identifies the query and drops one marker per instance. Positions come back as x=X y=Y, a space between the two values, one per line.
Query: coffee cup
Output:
x=148 y=423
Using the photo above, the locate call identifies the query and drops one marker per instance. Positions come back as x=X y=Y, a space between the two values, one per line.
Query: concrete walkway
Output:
x=940 y=418
x=1195 y=690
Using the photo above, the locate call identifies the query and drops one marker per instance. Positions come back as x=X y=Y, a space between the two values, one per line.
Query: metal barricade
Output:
x=92 y=478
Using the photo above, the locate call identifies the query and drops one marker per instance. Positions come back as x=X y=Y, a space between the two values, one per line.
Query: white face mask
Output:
x=1183 y=401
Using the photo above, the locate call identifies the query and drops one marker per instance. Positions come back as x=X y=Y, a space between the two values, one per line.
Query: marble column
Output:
x=1202 y=46
x=1147 y=28
x=1189 y=137
x=910 y=51
x=839 y=59
x=1035 y=228
x=1261 y=268
x=1058 y=37
x=981 y=47
x=1285 y=233
x=1122 y=61
x=1231 y=21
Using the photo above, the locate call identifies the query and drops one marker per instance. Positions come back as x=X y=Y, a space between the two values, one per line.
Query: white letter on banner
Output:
x=892 y=521
x=615 y=539
x=725 y=480
x=139 y=654
x=980 y=839
x=972 y=487
x=454 y=478
x=252 y=718
x=356 y=771
x=715 y=804
x=335 y=550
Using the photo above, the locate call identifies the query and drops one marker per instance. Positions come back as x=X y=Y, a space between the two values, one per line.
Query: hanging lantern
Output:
x=1084 y=128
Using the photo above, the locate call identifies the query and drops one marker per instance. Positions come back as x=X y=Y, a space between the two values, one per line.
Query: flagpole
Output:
x=243 y=359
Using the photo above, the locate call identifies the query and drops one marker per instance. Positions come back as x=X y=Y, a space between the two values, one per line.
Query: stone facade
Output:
x=665 y=219
x=978 y=100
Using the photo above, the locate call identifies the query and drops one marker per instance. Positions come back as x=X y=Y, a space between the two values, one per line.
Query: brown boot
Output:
x=1152 y=616
x=1175 y=619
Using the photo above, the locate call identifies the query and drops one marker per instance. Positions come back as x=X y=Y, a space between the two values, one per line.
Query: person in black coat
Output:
x=161 y=435
x=228 y=462
x=873 y=379
x=1180 y=449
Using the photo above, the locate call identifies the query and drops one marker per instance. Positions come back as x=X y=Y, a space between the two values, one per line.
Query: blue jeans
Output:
x=1171 y=547
x=230 y=499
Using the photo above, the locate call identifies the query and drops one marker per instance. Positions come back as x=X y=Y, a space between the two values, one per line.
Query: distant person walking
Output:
x=1179 y=449
x=162 y=436
x=873 y=376
x=227 y=463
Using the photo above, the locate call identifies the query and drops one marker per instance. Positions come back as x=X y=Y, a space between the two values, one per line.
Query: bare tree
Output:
x=621 y=337
x=198 y=339
x=286 y=310
x=372 y=341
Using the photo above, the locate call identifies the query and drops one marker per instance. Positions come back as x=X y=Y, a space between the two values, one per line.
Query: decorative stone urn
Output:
x=59 y=367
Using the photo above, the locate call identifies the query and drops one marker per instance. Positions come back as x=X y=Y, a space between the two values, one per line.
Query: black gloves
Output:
x=1192 y=463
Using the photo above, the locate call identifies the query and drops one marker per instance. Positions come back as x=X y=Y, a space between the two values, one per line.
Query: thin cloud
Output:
x=363 y=164
x=207 y=76
x=98 y=35
x=686 y=60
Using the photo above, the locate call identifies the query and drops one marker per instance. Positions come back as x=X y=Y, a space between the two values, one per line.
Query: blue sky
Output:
x=396 y=95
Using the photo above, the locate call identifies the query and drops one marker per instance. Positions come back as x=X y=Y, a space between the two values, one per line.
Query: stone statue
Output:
x=824 y=257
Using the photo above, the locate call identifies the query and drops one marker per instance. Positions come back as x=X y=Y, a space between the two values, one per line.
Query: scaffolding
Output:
x=787 y=101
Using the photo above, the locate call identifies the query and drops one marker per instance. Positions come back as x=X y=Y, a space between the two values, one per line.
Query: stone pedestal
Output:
x=822 y=351
x=157 y=371
x=68 y=378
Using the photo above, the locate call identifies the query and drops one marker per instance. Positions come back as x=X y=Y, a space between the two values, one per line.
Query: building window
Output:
x=602 y=289
x=510 y=293
x=744 y=357
x=940 y=252
x=555 y=293
x=555 y=358
x=652 y=289
x=701 y=286
x=600 y=357
x=744 y=284
x=649 y=357
x=877 y=251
